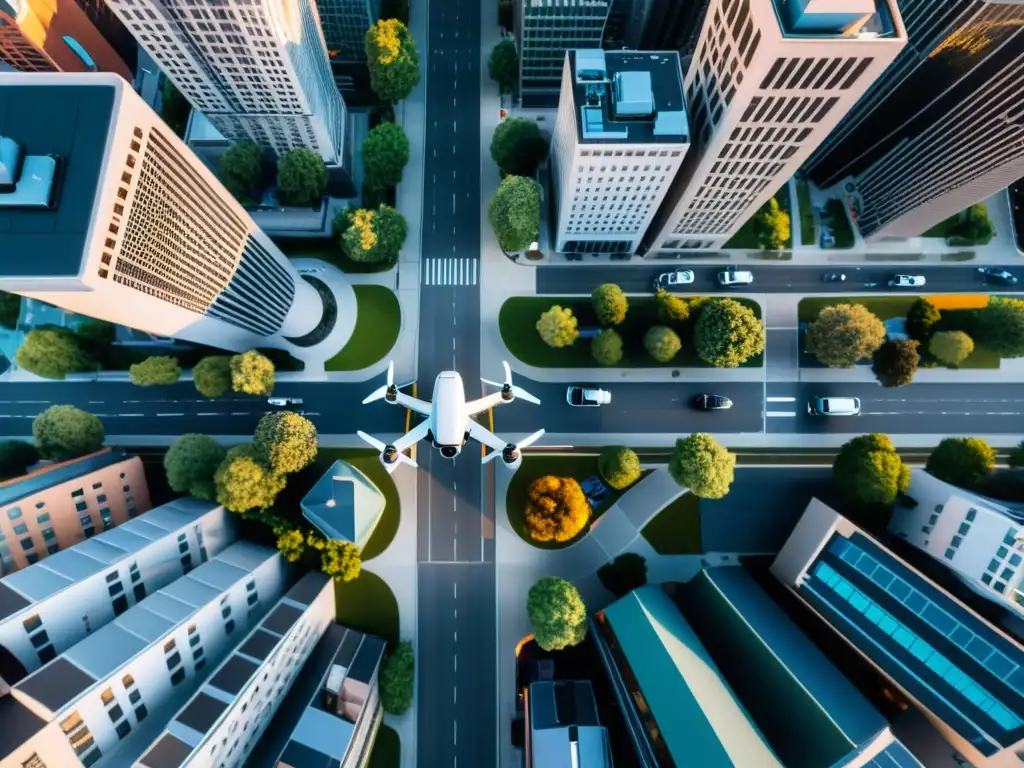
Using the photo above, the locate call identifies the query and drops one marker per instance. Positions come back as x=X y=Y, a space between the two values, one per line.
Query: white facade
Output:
x=768 y=82
x=103 y=701
x=56 y=603
x=258 y=71
x=613 y=161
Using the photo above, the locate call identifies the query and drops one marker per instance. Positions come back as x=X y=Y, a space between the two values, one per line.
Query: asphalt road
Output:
x=772 y=277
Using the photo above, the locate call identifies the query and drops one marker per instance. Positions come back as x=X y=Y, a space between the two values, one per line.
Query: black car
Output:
x=997 y=275
x=712 y=402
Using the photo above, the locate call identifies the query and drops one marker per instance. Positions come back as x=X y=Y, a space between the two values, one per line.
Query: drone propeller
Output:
x=388 y=453
x=511 y=451
x=508 y=390
x=390 y=389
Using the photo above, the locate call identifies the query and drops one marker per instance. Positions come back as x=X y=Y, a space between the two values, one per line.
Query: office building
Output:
x=344 y=505
x=55 y=36
x=124 y=224
x=963 y=674
x=222 y=722
x=113 y=31
x=545 y=30
x=620 y=136
x=103 y=701
x=562 y=728
x=258 y=71
x=941 y=130
x=655 y=25
x=59 y=505
x=345 y=23
x=768 y=83
x=47 y=608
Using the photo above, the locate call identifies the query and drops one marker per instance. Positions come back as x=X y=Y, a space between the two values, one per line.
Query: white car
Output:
x=834 y=406
x=735 y=277
x=591 y=397
x=906 y=281
x=280 y=401
x=667 y=280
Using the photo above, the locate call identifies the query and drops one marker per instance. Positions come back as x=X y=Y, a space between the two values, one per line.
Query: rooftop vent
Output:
x=26 y=181
x=590 y=65
x=634 y=96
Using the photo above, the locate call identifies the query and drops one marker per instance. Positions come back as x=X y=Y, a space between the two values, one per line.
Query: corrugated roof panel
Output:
x=168 y=607
x=37 y=583
x=106 y=649
x=196 y=592
x=245 y=555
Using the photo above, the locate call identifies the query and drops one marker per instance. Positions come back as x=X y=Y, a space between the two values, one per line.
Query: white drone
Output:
x=449 y=422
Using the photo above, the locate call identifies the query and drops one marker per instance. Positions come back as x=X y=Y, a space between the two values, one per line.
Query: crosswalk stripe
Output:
x=453 y=271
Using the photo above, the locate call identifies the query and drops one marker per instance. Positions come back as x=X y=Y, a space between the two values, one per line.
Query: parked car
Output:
x=594 y=490
x=997 y=275
x=833 y=277
x=906 y=281
x=712 y=402
x=284 y=401
x=591 y=397
x=834 y=406
x=668 y=280
x=732 y=276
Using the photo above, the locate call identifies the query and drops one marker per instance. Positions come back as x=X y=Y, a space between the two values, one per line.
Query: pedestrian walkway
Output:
x=449 y=271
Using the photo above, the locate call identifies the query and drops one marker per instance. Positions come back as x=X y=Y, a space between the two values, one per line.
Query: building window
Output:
x=20 y=529
x=46 y=654
x=40 y=638
x=115 y=713
x=229 y=627
x=32 y=623
x=26 y=544
x=173 y=660
x=120 y=605
x=178 y=676
x=140 y=713
x=32 y=558
x=123 y=729
x=33 y=762
x=140 y=592
x=13 y=513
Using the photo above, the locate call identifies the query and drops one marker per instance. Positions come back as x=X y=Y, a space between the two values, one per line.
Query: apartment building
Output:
x=620 y=137
x=62 y=504
x=47 y=608
x=964 y=674
x=545 y=30
x=562 y=728
x=103 y=701
x=125 y=224
x=345 y=23
x=222 y=722
x=768 y=83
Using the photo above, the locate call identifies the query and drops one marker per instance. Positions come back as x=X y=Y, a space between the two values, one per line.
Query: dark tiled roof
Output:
x=19 y=724
x=234 y=674
x=202 y=712
x=56 y=684
x=281 y=619
x=367 y=659
x=298 y=755
x=169 y=752
x=259 y=645
x=308 y=587
x=349 y=646
x=10 y=601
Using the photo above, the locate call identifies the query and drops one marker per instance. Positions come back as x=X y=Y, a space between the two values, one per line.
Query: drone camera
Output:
x=449 y=451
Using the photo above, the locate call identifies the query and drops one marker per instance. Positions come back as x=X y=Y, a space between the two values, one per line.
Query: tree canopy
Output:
x=618 y=466
x=557 y=327
x=727 y=333
x=962 y=461
x=15 y=457
x=606 y=347
x=610 y=304
x=301 y=177
x=622 y=575
x=556 y=509
x=372 y=236
x=974 y=225
x=503 y=66
x=868 y=469
x=240 y=169
x=64 y=432
x=159 y=370
x=703 y=465
x=844 y=334
x=252 y=373
x=338 y=559
x=53 y=352
x=393 y=60
x=557 y=614
x=514 y=212
x=1001 y=326
x=212 y=375
x=921 y=319
x=662 y=343
x=385 y=154
x=190 y=464
x=10 y=309
x=672 y=310
x=951 y=347
x=397 y=677
x=243 y=483
x=518 y=146
x=772 y=225
x=895 y=362
x=285 y=441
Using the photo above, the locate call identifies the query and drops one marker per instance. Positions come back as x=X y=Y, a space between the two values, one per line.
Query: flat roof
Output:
x=168 y=752
x=233 y=675
x=368 y=657
x=308 y=588
x=562 y=711
x=202 y=712
x=51 y=475
x=73 y=123
x=57 y=683
x=841 y=19
x=344 y=504
x=19 y=724
x=280 y=619
x=260 y=644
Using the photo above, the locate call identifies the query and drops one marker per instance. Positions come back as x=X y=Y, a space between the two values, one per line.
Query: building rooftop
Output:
x=564 y=729
x=50 y=475
x=835 y=18
x=628 y=97
x=72 y=123
x=344 y=504
x=20 y=724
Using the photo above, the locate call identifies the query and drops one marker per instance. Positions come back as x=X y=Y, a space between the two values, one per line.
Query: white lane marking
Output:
x=455 y=731
x=781 y=399
x=208 y=413
x=169 y=414
x=779 y=414
x=135 y=414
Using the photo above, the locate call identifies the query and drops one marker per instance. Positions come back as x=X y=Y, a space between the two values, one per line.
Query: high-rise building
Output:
x=620 y=136
x=55 y=36
x=125 y=224
x=768 y=82
x=113 y=31
x=545 y=30
x=656 y=25
x=562 y=728
x=965 y=675
x=345 y=23
x=943 y=127
x=258 y=71
x=59 y=505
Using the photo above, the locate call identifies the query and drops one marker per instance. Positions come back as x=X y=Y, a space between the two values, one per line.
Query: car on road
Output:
x=906 y=281
x=712 y=402
x=834 y=406
x=591 y=397
x=281 y=401
x=997 y=275
x=667 y=280
x=733 y=276
x=833 y=277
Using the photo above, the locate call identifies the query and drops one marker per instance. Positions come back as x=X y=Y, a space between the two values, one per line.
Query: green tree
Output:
x=64 y=432
x=190 y=464
x=385 y=154
x=962 y=461
x=974 y=225
x=606 y=347
x=96 y=333
x=610 y=304
x=704 y=466
x=868 y=469
x=895 y=362
x=662 y=343
x=557 y=613
x=951 y=347
x=672 y=310
x=212 y=375
x=10 y=309
x=622 y=575
x=397 y=677
x=557 y=327
x=53 y=352
x=618 y=466
x=241 y=169
x=921 y=319
x=518 y=146
x=772 y=226
x=393 y=60
x=252 y=373
x=155 y=371
x=243 y=483
x=301 y=178
x=844 y=334
x=503 y=66
x=285 y=441
x=1017 y=456
x=15 y=457
x=514 y=212
x=556 y=509
x=340 y=560
x=372 y=236
x=727 y=333
x=1001 y=326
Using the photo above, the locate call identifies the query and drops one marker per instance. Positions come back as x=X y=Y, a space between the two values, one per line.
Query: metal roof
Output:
x=56 y=684
x=50 y=475
x=19 y=724
x=564 y=729
x=344 y=504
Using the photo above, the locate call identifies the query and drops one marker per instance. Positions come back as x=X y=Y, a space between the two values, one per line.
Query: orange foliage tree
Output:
x=556 y=509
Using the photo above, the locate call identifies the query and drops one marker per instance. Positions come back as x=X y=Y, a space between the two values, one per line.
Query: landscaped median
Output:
x=675 y=530
x=378 y=323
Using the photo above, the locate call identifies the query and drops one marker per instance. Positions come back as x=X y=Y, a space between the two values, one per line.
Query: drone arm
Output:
x=413 y=404
x=483 y=435
x=473 y=407
x=412 y=437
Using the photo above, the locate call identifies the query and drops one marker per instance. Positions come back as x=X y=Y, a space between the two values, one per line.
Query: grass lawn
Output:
x=803 y=199
x=839 y=221
x=518 y=317
x=944 y=228
x=676 y=529
x=387 y=749
x=326 y=249
x=369 y=605
x=378 y=322
x=746 y=236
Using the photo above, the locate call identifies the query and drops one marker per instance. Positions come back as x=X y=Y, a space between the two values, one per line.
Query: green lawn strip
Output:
x=676 y=529
x=944 y=227
x=369 y=605
x=803 y=198
x=746 y=235
x=378 y=322
x=387 y=749
x=518 y=317
x=326 y=249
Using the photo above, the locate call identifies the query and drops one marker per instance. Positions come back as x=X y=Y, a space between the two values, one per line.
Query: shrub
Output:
x=843 y=335
x=662 y=343
x=556 y=509
x=397 y=678
x=921 y=319
x=962 y=461
x=190 y=464
x=557 y=327
x=951 y=347
x=727 y=333
x=619 y=466
x=212 y=375
x=610 y=304
x=252 y=373
x=895 y=362
x=606 y=347
x=557 y=614
x=64 y=432
x=704 y=466
x=285 y=441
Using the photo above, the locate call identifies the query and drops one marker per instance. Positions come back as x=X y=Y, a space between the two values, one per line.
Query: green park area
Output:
x=387 y=749
x=757 y=230
x=368 y=604
x=969 y=227
x=676 y=529
x=378 y=323
x=803 y=200
x=838 y=221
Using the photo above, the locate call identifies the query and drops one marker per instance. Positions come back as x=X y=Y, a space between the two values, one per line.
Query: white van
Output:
x=834 y=406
